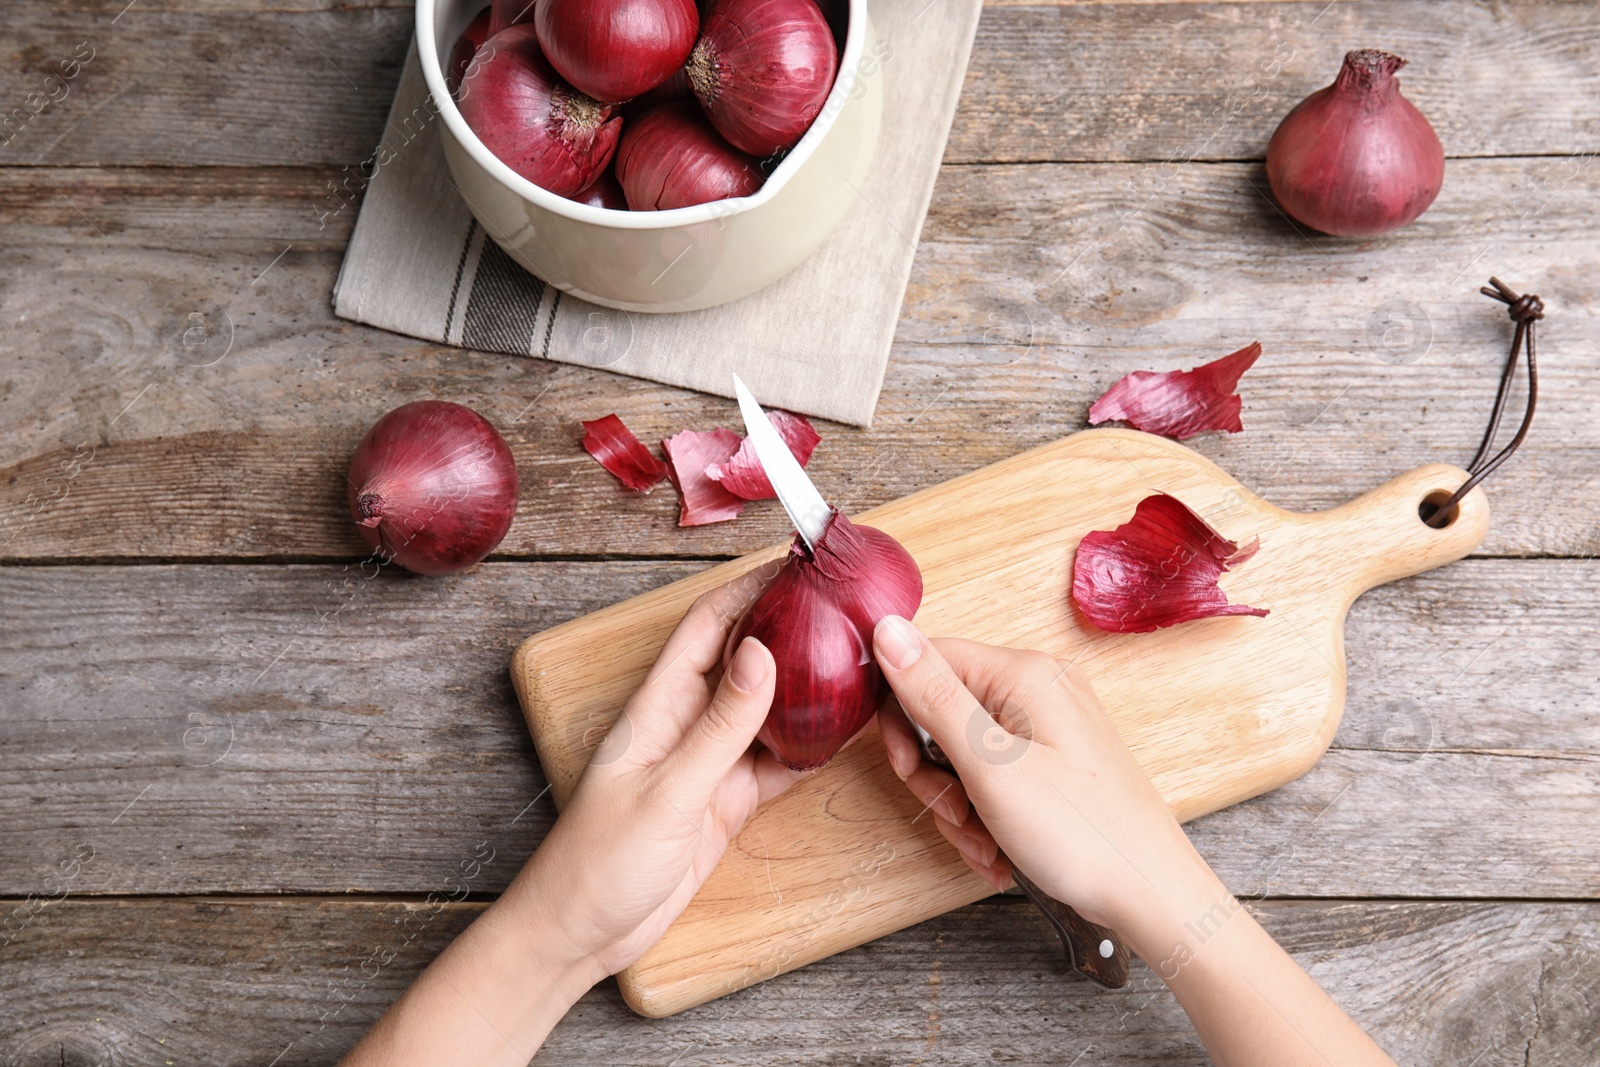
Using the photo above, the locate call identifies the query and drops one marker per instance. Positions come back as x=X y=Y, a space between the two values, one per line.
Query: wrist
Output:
x=534 y=912
x=1182 y=906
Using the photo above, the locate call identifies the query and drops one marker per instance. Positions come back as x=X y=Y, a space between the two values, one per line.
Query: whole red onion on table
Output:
x=817 y=619
x=537 y=124
x=671 y=157
x=613 y=50
x=433 y=487
x=1356 y=158
x=762 y=70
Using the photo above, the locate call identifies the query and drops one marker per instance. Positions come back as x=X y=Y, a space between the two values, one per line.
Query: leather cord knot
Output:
x=1524 y=310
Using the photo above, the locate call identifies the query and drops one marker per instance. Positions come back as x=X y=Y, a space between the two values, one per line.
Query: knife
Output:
x=1092 y=950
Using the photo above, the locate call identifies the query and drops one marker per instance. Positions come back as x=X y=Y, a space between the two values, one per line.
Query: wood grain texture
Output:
x=1216 y=711
x=375 y=737
x=1025 y=304
x=1069 y=82
x=244 y=981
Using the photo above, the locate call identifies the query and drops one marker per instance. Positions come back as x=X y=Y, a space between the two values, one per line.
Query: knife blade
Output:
x=1092 y=950
x=799 y=497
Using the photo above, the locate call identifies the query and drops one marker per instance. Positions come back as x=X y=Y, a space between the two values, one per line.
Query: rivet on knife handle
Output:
x=1092 y=950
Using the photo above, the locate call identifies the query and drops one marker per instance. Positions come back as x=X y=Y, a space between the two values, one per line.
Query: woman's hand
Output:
x=662 y=796
x=670 y=786
x=1058 y=790
x=1063 y=796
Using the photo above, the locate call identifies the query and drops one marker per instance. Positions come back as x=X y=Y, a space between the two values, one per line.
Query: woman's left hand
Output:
x=666 y=791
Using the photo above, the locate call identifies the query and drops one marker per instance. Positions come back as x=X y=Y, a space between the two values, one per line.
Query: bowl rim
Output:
x=844 y=84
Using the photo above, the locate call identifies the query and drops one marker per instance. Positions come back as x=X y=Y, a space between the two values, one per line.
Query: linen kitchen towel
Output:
x=816 y=341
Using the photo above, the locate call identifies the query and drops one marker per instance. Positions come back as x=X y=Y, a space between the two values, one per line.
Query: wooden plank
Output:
x=374 y=735
x=244 y=981
x=1036 y=287
x=1069 y=82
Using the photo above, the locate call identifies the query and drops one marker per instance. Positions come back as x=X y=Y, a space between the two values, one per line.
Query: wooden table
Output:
x=239 y=781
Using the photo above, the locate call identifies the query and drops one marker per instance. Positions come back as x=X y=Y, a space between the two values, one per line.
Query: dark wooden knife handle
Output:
x=1092 y=950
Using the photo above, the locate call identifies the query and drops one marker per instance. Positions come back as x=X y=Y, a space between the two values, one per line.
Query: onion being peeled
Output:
x=536 y=124
x=671 y=157
x=616 y=49
x=1356 y=159
x=433 y=487
x=817 y=619
x=762 y=70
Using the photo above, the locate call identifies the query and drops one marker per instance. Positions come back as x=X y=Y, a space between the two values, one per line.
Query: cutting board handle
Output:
x=1379 y=536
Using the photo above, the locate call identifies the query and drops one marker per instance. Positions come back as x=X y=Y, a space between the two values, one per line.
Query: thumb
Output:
x=929 y=689
x=719 y=737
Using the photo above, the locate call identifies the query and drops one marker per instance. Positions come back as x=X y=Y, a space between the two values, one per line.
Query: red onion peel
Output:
x=1356 y=159
x=433 y=487
x=536 y=124
x=1179 y=403
x=762 y=70
x=624 y=455
x=689 y=453
x=817 y=619
x=742 y=474
x=1157 y=569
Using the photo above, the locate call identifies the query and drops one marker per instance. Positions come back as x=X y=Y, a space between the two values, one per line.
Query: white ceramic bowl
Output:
x=678 y=260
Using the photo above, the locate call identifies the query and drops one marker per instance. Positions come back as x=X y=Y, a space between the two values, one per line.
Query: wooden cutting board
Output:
x=1216 y=711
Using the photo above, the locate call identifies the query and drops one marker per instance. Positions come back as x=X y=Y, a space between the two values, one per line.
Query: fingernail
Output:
x=749 y=667
x=974 y=850
x=902 y=763
x=898 y=642
x=947 y=811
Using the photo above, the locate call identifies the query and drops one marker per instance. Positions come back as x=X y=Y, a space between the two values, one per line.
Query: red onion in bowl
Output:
x=762 y=70
x=603 y=192
x=467 y=46
x=614 y=50
x=537 y=124
x=671 y=157
x=433 y=487
x=1355 y=158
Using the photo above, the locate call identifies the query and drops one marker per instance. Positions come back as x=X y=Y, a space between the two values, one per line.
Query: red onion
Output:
x=433 y=487
x=762 y=70
x=671 y=157
x=537 y=124
x=817 y=619
x=467 y=46
x=616 y=49
x=604 y=192
x=503 y=14
x=1355 y=158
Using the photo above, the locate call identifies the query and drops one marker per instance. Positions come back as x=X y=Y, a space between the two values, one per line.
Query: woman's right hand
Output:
x=1058 y=790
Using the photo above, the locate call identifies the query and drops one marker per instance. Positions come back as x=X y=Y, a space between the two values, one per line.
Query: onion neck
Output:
x=702 y=71
x=577 y=110
x=370 y=506
x=1368 y=75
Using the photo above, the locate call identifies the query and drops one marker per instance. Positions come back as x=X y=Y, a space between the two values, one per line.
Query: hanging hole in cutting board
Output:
x=1430 y=505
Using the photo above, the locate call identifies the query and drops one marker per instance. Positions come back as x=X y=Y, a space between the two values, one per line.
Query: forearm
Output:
x=1251 y=1004
x=491 y=997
